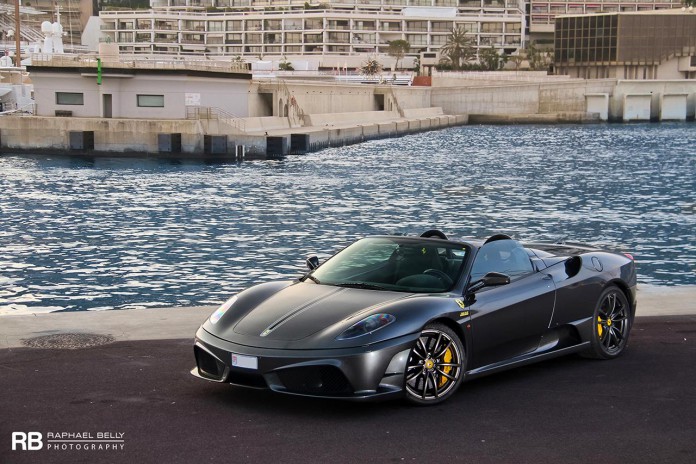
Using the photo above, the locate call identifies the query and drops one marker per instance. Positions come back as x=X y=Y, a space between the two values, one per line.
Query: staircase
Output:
x=216 y=114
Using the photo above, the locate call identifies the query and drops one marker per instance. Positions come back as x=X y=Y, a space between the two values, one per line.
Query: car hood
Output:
x=301 y=310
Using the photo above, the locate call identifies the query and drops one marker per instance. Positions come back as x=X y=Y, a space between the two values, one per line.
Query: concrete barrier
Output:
x=403 y=127
x=154 y=324
x=387 y=129
x=340 y=119
x=555 y=118
x=265 y=124
x=415 y=113
x=370 y=131
x=461 y=119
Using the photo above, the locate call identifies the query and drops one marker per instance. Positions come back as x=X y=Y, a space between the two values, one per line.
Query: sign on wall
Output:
x=192 y=99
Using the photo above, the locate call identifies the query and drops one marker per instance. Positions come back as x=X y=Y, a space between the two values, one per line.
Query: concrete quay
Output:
x=262 y=137
x=181 y=323
x=277 y=117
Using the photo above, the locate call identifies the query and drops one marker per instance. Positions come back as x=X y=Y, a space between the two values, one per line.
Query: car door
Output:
x=508 y=320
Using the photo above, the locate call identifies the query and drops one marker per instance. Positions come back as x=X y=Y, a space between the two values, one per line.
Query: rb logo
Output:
x=31 y=441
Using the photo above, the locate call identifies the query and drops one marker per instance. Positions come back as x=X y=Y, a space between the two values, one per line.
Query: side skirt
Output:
x=523 y=361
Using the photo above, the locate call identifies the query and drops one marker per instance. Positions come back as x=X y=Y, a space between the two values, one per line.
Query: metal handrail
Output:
x=138 y=62
x=211 y=112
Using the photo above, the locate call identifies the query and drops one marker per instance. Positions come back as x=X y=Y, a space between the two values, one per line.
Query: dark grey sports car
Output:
x=416 y=316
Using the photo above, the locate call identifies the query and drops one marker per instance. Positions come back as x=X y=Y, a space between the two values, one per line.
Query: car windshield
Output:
x=396 y=264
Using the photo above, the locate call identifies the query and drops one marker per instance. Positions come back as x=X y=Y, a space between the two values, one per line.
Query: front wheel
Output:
x=611 y=325
x=435 y=365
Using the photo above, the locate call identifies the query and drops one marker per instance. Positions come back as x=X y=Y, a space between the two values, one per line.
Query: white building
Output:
x=346 y=28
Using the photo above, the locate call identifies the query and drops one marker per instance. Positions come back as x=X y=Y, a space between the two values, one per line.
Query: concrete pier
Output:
x=171 y=323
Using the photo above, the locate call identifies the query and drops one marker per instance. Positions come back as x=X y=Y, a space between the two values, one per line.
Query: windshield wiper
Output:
x=314 y=279
x=362 y=285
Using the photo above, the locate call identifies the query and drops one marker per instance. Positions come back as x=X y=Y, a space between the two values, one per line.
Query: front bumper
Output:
x=360 y=373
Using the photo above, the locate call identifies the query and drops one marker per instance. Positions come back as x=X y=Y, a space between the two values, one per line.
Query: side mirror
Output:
x=312 y=262
x=491 y=279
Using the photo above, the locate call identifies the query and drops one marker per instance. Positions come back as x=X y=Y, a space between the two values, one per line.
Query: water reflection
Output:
x=101 y=233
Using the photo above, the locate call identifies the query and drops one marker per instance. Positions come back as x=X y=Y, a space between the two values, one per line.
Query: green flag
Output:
x=99 y=72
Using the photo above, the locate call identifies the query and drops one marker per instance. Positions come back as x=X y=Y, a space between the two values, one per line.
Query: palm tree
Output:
x=370 y=68
x=459 y=48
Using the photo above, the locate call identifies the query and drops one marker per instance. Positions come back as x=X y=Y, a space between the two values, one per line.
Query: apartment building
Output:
x=345 y=28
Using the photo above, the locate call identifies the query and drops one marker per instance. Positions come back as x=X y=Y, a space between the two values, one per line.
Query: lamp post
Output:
x=18 y=51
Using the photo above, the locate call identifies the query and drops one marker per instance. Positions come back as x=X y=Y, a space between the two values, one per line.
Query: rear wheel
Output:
x=611 y=325
x=435 y=365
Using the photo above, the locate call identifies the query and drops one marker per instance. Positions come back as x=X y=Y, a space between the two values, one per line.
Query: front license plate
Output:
x=246 y=362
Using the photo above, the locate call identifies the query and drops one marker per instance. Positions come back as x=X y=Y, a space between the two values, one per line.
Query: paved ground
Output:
x=640 y=408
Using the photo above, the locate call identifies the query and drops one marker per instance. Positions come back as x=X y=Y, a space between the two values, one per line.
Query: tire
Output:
x=611 y=325
x=435 y=366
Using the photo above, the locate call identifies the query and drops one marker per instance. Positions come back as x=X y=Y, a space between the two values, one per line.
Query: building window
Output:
x=70 y=98
x=151 y=101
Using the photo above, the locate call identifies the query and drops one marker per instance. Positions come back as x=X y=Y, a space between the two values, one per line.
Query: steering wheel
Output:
x=440 y=275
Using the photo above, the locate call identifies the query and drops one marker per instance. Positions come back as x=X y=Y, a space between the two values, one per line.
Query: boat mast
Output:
x=18 y=52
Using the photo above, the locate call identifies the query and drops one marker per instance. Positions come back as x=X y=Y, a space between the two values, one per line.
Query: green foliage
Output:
x=491 y=60
x=690 y=3
x=370 y=68
x=398 y=49
x=458 y=49
x=285 y=65
x=539 y=60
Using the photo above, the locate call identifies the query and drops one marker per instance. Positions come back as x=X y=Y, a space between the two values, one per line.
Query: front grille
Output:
x=246 y=379
x=315 y=380
x=208 y=365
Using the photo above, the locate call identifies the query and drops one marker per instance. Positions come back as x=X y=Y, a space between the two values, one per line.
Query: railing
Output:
x=218 y=114
x=194 y=63
x=24 y=110
x=28 y=33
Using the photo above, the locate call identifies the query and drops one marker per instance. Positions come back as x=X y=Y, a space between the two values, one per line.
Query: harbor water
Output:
x=83 y=233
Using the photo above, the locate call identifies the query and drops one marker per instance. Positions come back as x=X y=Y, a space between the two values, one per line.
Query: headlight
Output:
x=367 y=326
x=222 y=310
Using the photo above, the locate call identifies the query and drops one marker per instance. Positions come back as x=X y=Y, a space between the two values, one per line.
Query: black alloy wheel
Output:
x=435 y=366
x=611 y=325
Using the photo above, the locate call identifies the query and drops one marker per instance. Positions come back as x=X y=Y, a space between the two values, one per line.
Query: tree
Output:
x=690 y=3
x=370 y=68
x=538 y=59
x=459 y=48
x=398 y=49
x=491 y=60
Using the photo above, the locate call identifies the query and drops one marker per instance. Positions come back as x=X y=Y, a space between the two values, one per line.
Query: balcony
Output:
x=166 y=26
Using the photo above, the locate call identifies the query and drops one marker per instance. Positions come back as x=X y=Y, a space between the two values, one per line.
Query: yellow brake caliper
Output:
x=600 y=330
x=447 y=358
